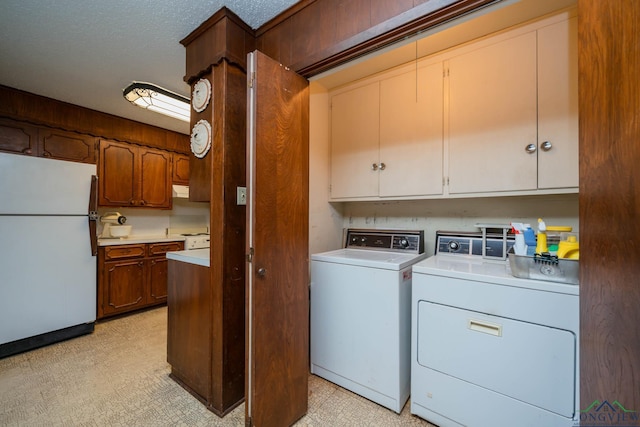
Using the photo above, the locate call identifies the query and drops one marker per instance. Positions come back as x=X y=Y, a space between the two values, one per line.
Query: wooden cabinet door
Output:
x=180 y=169
x=117 y=174
x=493 y=117
x=123 y=286
x=411 y=132
x=558 y=105
x=277 y=310
x=19 y=138
x=157 y=280
x=355 y=147
x=155 y=178
x=75 y=147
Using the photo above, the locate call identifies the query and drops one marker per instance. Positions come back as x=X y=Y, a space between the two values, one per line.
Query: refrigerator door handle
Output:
x=93 y=215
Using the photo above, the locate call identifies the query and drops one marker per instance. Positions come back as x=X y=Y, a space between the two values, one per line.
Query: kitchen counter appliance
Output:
x=489 y=348
x=361 y=313
x=47 y=251
x=196 y=241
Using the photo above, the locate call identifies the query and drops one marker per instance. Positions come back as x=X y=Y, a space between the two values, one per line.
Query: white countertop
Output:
x=194 y=256
x=140 y=239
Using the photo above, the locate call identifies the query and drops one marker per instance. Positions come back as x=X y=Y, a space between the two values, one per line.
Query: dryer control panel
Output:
x=407 y=241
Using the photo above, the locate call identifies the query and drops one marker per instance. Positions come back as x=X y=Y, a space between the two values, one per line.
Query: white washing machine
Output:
x=489 y=348
x=361 y=314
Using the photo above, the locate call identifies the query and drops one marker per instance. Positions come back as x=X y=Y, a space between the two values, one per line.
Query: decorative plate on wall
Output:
x=201 y=95
x=201 y=138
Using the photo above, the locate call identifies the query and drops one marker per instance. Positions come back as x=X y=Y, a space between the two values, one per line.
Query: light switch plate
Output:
x=241 y=195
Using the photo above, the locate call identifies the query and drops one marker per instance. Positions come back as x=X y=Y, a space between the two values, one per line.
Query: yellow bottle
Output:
x=541 y=244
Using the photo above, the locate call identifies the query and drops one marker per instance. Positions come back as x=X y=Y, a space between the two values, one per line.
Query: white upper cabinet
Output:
x=355 y=145
x=411 y=132
x=558 y=105
x=386 y=135
x=498 y=116
x=492 y=117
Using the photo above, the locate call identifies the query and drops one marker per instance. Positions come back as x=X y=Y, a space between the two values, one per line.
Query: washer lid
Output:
x=368 y=258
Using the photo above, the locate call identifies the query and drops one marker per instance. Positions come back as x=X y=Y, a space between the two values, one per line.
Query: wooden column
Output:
x=217 y=51
x=609 y=63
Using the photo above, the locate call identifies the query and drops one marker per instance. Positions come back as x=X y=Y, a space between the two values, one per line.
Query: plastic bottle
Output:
x=541 y=245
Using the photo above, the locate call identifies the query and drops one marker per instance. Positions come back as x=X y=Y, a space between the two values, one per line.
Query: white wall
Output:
x=325 y=220
x=155 y=222
x=461 y=214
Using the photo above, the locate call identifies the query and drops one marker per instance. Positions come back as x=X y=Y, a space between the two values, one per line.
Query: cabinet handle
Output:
x=142 y=203
x=27 y=151
x=262 y=272
x=546 y=146
x=382 y=166
x=485 y=327
x=374 y=167
x=530 y=148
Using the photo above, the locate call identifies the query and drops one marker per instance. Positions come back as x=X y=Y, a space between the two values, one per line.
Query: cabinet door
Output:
x=493 y=118
x=123 y=286
x=558 y=105
x=157 y=280
x=75 y=147
x=155 y=178
x=411 y=132
x=180 y=169
x=117 y=175
x=355 y=116
x=19 y=138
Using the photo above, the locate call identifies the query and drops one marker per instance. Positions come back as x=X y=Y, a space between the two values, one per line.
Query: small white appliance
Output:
x=361 y=313
x=489 y=348
x=109 y=219
x=196 y=241
x=47 y=251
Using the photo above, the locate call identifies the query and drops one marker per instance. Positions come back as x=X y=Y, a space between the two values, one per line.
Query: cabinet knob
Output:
x=382 y=166
x=546 y=146
x=530 y=148
x=374 y=167
x=262 y=272
x=27 y=151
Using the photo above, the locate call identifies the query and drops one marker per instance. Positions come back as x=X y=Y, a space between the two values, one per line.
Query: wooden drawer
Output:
x=159 y=249
x=124 y=251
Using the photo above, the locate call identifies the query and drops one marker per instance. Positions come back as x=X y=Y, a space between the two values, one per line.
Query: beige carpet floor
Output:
x=119 y=376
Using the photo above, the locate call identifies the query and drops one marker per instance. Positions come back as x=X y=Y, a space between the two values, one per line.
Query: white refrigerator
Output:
x=47 y=251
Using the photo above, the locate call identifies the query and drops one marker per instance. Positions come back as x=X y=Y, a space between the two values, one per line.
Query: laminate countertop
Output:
x=193 y=256
x=131 y=240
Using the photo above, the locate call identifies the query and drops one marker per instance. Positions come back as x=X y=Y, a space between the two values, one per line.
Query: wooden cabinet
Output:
x=180 y=169
x=22 y=138
x=18 y=137
x=71 y=146
x=133 y=276
x=386 y=136
x=134 y=176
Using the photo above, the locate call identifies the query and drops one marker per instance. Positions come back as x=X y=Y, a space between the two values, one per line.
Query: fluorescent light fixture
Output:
x=160 y=100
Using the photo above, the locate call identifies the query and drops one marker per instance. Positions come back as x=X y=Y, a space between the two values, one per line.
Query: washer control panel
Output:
x=409 y=241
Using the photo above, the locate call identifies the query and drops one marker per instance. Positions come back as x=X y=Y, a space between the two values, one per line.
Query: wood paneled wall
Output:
x=314 y=36
x=609 y=64
x=35 y=109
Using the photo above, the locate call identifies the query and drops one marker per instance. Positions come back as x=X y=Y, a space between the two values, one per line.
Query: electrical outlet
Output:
x=241 y=195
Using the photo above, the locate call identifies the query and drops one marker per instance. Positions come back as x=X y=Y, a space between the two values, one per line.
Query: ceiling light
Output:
x=160 y=100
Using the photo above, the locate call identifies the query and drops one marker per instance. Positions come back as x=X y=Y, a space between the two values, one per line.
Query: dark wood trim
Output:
x=609 y=200
x=275 y=37
x=39 y=110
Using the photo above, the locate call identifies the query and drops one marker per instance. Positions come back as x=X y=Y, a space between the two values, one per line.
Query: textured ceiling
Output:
x=86 y=51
